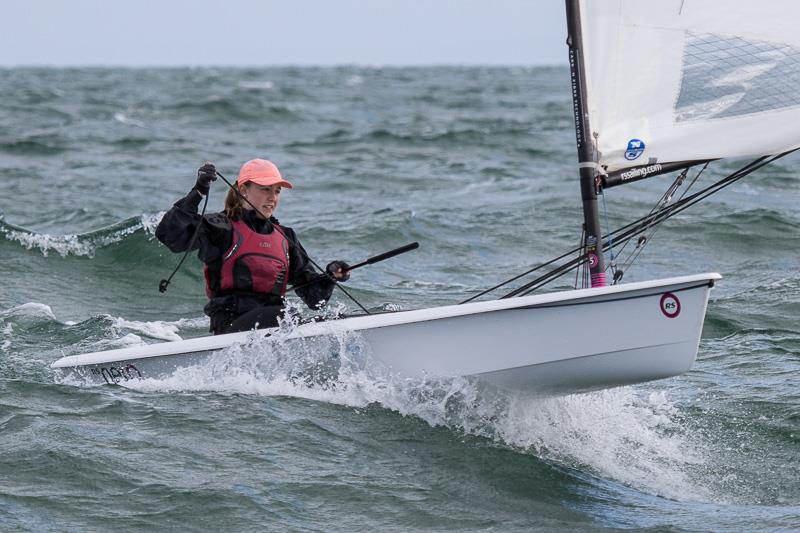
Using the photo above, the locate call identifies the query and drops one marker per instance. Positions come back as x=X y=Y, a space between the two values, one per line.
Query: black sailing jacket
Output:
x=215 y=238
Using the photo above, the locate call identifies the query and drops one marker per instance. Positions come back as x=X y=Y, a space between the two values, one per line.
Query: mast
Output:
x=587 y=151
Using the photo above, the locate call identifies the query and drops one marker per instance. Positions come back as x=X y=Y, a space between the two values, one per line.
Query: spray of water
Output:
x=626 y=435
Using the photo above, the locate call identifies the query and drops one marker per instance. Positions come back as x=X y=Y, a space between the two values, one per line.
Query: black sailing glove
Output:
x=338 y=270
x=205 y=175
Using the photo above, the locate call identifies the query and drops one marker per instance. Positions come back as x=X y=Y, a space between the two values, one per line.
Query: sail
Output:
x=680 y=80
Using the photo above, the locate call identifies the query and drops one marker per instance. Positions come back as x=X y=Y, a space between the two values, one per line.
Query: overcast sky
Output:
x=280 y=32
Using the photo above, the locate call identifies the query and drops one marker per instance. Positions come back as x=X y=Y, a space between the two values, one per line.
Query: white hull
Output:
x=560 y=342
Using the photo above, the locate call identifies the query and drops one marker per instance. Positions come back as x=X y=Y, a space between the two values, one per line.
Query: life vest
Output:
x=255 y=263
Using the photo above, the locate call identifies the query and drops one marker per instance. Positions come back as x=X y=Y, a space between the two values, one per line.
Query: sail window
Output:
x=727 y=76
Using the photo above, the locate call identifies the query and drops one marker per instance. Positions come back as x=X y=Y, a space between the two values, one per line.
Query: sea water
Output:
x=478 y=165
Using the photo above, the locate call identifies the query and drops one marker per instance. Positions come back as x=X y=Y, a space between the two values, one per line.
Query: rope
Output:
x=162 y=286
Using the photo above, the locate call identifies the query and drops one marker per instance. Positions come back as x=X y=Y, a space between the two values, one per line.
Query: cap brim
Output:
x=266 y=182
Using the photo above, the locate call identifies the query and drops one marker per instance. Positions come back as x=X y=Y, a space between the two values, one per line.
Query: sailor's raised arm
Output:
x=178 y=225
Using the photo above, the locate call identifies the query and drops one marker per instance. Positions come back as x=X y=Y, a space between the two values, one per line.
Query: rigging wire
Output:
x=527 y=272
x=667 y=198
x=661 y=201
x=632 y=230
x=625 y=233
x=636 y=227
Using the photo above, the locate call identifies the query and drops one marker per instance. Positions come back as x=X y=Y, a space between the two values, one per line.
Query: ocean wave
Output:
x=40 y=95
x=32 y=147
x=31 y=311
x=215 y=106
x=766 y=287
x=159 y=330
x=21 y=328
x=446 y=137
x=125 y=119
x=35 y=314
x=132 y=143
x=85 y=244
x=757 y=222
x=354 y=80
x=264 y=85
x=34 y=323
x=118 y=332
x=248 y=107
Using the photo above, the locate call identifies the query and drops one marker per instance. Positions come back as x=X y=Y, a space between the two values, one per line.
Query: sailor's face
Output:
x=265 y=198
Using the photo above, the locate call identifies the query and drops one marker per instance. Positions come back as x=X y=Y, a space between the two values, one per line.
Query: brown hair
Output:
x=234 y=205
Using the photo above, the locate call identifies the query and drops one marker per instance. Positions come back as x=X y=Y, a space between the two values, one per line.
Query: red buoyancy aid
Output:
x=255 y=263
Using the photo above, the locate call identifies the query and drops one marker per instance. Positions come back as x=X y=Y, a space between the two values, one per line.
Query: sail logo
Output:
x=640 y=172
x=635 y=149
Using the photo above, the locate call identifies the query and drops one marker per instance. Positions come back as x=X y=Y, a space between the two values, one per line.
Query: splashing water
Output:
x=635 y=438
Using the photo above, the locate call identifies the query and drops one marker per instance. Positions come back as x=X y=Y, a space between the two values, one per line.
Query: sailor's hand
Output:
x=205 y=175
x=338 y=270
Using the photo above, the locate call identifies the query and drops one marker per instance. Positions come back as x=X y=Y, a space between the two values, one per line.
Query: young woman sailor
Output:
x=249 y=258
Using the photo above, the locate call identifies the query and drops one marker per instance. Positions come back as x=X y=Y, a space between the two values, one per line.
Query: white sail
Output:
x=678 y=80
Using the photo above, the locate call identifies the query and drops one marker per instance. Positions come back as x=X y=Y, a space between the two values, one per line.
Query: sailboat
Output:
x=658 y=88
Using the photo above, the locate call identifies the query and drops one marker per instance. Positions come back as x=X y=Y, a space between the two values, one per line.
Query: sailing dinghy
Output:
x=658 y=87
x=555 y=342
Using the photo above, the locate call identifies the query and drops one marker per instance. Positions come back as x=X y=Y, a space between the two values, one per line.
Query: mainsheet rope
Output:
x=162 y=286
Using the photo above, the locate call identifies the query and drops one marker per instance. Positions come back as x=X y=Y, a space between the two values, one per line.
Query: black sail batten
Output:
x=587 y=152
x=637 y=173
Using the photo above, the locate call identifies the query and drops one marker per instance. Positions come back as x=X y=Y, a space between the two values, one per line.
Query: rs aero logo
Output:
x=670 y=305
x=635 y=149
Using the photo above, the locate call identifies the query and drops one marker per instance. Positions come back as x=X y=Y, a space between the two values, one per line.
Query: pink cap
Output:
x=261 y=172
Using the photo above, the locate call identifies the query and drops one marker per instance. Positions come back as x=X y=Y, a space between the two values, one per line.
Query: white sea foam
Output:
x=129 y=339
x=632 y=437
x=151 y=220
x=79 y=245
x=636 y=438
x=264 y=85
x=159 y=329
x=125 y=119
x=167 y=331
x=8 y=331
x=200 y=322
x=34 y=310
x=62 y=244
x=354 y=80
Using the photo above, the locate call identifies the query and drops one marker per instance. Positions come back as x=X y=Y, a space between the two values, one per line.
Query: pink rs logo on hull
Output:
x=670 y=305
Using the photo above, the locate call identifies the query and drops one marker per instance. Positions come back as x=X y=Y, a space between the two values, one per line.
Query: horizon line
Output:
x=283 y=65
